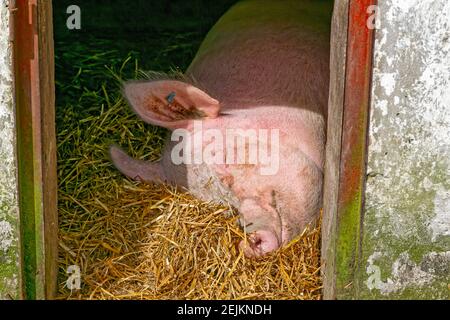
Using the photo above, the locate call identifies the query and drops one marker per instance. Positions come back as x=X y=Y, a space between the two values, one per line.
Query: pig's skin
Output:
x=264 y=65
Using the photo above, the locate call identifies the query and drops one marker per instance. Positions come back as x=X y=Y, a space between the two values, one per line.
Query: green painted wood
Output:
x=354 y=149
x=36 y=146
x=346 y=148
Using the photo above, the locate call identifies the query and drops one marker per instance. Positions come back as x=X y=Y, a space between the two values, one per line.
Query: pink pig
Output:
x=263 y=68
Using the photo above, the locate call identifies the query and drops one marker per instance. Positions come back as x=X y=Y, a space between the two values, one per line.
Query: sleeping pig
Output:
x=247 y=119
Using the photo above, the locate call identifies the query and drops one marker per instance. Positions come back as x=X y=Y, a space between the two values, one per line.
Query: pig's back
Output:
x=268 y=53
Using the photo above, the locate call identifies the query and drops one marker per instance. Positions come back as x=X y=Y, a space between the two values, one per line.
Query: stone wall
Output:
x=9 y=211
x=406 y=234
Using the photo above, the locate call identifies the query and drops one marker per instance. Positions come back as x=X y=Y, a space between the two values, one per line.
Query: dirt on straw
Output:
x=146 y=241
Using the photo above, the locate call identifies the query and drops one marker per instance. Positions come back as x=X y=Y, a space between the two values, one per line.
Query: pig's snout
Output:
x=259 y=243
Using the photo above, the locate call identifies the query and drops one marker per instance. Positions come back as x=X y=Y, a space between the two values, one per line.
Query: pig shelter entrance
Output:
x=102 y=236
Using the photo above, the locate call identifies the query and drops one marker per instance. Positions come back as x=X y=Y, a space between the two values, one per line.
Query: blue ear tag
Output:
x=171 y=97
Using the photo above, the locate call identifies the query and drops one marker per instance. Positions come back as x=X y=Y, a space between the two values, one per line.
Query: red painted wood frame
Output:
x=344 y=218
x=33 y=59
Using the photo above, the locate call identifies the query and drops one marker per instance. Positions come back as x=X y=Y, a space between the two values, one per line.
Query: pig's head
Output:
x=273 y=208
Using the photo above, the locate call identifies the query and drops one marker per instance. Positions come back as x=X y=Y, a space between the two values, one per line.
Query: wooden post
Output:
x=36 y=144
x=345 y=169
x=339 y=28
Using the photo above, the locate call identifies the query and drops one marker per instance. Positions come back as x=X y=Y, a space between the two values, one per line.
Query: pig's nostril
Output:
x=256 y=242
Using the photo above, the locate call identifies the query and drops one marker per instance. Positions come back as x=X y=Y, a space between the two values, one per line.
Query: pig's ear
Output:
x=168 y=103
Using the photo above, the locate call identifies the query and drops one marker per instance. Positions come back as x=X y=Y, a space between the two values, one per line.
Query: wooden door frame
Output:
x=346 y=152
x=34 y=85
x=351 y=65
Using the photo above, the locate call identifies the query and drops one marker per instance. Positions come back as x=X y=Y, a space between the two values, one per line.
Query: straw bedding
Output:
x=146 y=241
